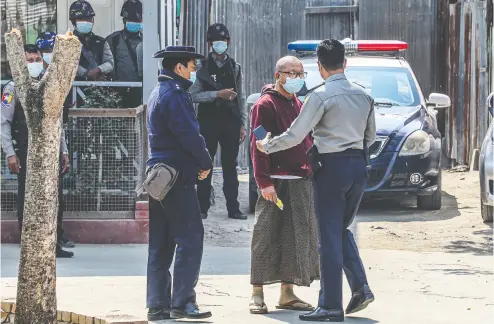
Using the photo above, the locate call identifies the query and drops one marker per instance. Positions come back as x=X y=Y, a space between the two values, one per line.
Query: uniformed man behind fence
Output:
x=123 y=44
x=221 y=114
x=175 y=223
x=15 y=140
x=342 y=118
x=96 y=62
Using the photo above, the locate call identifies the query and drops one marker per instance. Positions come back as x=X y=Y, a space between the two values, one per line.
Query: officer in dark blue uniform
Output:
x=175 y=223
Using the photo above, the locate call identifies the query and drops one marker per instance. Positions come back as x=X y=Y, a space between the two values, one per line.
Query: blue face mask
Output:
x=293 y=85
x=133 y=27
x=192 y=77
x=47 y=57
x=84 y=27
x=220 y=47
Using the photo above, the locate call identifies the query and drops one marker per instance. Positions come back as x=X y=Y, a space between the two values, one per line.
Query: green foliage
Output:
x=101 y=97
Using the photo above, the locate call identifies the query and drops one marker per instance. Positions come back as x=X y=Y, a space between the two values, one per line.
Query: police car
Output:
x=406 y=156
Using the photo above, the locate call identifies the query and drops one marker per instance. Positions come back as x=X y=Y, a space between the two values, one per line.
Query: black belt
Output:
x=348 y=152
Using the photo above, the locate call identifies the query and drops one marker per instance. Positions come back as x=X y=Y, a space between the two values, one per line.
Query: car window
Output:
x=385 y=84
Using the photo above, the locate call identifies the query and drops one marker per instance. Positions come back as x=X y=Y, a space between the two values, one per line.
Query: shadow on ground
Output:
x=483 y=248
x=285 y=316
x=404 y=209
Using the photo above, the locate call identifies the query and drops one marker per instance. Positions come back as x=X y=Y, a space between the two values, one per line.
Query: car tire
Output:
x=487 y=212
x=434 y=201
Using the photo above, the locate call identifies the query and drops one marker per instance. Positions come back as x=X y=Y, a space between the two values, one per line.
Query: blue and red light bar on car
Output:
x=352 y=46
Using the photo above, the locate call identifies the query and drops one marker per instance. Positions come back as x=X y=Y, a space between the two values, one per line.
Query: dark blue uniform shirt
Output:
x=173 y=130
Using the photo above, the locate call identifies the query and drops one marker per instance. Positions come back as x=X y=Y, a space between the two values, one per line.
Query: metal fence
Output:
x=412 y=21
x=108 y=151
x=261 y=30
x=465 y=77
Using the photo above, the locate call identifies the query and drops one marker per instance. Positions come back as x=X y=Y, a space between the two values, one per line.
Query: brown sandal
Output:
x=296 y=305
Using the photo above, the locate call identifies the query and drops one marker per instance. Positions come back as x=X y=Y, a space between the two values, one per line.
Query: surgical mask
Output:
x=192 y=77
x=293 y=85
x=220 y=47
x=35 y=69
x=133 y=27
x=47 y=57
x=84 y=27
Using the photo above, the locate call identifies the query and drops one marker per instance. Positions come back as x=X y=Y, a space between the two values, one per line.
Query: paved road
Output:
x=412 y=288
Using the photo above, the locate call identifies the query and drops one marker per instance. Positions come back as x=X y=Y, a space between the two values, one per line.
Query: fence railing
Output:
x=108 y=152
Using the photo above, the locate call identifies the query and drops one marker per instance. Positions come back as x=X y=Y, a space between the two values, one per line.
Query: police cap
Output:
x=132 y=10
x=217 y=32
x=178 y=52
x=81 y=9
x=46 y=40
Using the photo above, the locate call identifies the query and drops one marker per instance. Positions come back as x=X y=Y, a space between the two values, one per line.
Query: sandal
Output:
x=256 y=307
x=296 y=305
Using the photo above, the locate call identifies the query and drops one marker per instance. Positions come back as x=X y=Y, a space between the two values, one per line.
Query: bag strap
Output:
x=114 y=44
x=133 y=54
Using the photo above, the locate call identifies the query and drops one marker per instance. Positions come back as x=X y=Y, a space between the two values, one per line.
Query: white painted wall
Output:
x=106 y=21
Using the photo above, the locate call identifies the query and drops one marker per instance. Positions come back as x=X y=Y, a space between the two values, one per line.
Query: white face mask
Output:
x=35 y=69
x=47 y=57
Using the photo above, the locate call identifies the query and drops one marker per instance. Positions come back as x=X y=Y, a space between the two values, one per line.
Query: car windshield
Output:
x=387 y=85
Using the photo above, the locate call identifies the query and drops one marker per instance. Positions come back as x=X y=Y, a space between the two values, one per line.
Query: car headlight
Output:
x=417 y=143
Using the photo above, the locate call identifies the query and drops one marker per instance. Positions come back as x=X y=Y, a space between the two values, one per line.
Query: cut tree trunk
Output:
x=42 y=102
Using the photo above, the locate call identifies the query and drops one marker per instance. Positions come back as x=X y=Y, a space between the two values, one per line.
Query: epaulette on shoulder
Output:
x=358 y=84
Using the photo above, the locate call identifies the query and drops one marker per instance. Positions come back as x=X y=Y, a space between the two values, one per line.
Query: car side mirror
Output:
x=439 y=100
x=490 y=103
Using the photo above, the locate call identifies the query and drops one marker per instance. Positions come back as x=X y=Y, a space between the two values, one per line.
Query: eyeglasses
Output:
x=293 y=75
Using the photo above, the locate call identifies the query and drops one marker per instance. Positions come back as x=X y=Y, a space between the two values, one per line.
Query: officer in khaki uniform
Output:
x=15 y=142
x=341 y=116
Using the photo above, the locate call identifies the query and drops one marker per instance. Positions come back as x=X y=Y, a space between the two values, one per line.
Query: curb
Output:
x=63 y=317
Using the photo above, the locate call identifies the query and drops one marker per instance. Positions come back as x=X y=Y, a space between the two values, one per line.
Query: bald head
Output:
x=288 y=63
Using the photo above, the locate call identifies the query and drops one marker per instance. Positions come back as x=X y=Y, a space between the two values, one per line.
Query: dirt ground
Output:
x=391 y=224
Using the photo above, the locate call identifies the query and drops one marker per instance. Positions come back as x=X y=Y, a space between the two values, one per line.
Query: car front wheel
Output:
x=431 y=202
x=487 y=212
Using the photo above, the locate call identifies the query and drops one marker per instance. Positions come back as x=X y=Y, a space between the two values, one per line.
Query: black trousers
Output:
x=131 y=97
x=226 y=133
x=21 y=192
x=175 y=227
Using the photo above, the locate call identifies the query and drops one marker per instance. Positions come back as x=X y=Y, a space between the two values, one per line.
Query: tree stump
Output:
x=42 y=102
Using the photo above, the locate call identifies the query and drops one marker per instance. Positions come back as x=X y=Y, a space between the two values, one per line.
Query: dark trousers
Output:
x=339 y=186
x=21 y=192
x=175 y=226
x=131 y=97
x=226 y=133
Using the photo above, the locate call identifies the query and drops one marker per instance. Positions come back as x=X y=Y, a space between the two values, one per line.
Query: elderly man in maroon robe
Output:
x=284 y=242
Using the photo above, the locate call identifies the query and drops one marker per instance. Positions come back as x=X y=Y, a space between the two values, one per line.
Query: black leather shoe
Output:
x=158 y=314
x=189 y=311
x=322 y=314
x=237 y=215
x=61 y=253
x=66 y=243
x=360 y=300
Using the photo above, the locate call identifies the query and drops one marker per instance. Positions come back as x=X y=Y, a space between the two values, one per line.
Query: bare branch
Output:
x=17 y=61
x=61 y=72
